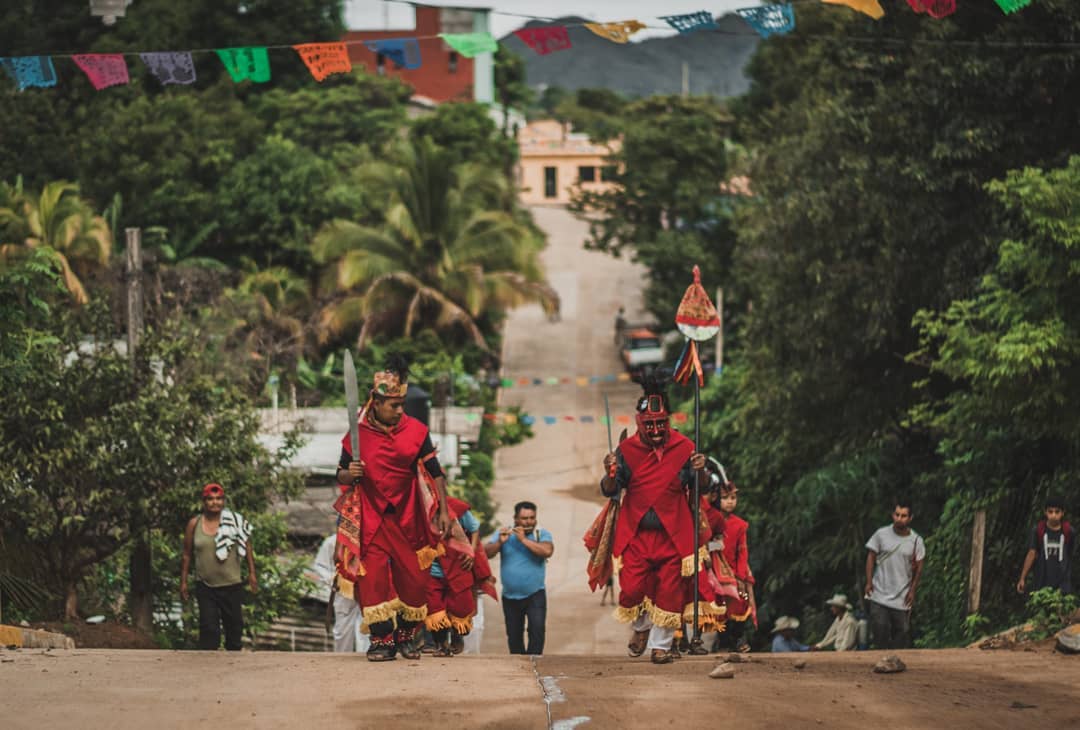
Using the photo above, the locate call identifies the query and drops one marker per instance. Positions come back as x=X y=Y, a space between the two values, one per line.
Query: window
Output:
x=551 y=187
x=453 y=62
x=608 y=172
x=586 y=173
x=380 y=64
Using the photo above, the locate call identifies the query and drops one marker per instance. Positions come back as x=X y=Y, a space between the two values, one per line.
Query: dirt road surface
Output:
x=118 y=689
x=584 y=679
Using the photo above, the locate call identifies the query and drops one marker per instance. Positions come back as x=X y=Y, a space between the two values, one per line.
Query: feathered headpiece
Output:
x=392 y=380
x=654 y=400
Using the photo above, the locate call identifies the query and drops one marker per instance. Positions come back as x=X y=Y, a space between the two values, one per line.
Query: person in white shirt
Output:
x=844 y=632
x=894 y=563
x=347 y=615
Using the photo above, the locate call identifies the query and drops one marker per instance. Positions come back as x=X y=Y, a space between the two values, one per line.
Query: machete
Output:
x=352 y=403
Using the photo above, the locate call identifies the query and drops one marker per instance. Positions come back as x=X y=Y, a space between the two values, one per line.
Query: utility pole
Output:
x=978 y=541
x=720 y=334
x=140 y=601
x=685 y=79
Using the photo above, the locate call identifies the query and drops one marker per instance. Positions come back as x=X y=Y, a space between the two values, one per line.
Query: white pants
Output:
x=659 y=637
x=472 y=641
x=347 y=619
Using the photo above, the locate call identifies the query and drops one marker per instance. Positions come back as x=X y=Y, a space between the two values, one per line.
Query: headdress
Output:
x=213 y=489
x=652 y=415
x=392 y=380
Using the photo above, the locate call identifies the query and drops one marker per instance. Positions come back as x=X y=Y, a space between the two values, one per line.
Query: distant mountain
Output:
x=654 y=66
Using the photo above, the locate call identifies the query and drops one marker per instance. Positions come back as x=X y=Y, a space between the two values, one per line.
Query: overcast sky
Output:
x=375 y=14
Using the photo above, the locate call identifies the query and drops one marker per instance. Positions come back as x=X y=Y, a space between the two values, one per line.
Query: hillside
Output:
x=653 y=66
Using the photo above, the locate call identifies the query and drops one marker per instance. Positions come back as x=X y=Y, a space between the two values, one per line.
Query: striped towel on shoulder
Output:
x=234 y=529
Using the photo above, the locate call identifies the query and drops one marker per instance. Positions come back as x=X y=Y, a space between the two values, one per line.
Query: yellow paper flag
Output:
x=617 y=32
x=869 y=7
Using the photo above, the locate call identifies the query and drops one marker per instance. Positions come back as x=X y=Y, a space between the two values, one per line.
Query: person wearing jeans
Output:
x=524 y=550
x=894 y=561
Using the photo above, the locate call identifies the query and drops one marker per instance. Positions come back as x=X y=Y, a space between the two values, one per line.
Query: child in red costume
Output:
x=731 y=530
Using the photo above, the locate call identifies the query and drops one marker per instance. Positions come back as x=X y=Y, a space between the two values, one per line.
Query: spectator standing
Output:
x=214 y=543
x=843 y=635
x=894 y=562
x=347 y=614
x=1050 y=551
x=785 y=635
x=524 y=550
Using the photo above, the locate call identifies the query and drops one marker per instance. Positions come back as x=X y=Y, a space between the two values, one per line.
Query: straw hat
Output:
x=785 y=622
x=838 y=600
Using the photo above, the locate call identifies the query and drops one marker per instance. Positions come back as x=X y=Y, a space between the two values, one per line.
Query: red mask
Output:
x=653 y=421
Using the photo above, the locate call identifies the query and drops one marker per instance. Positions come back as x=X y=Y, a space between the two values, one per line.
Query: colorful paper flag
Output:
x=934 y=8
x=550 y=420
x=769 y=20
x=404 y=52
x=27 y=71
x=170 y=67
x=470 y=44
x=545 y=39
x=868 y=7
x=248 y=62
x=690 y=22
x=1011 y=6
x=103 y=69
x=689 y=364
x=617 y=32
x=324 y=59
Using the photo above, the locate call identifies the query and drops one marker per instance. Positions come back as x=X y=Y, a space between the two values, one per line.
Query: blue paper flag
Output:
x=586 y=419
x=404 y=52
x=171 y=67
x=768 y=20
x=550 y=420
x=27 y=71
x=528 y=420
x=701 y=20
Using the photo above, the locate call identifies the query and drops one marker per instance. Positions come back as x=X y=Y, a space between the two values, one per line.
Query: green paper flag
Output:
x=470 y=44
x=249 y=62
x=1011 y=6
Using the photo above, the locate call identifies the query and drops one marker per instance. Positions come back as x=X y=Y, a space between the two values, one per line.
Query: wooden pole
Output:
x=720 y=334
x=140 y=600
x=978 y=541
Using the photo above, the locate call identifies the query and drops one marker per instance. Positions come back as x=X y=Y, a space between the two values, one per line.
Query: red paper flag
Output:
x=545 y=39
x=103 y=69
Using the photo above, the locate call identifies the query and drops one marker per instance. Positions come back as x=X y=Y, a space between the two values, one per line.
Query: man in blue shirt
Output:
x=785 y=635
x=524 y=549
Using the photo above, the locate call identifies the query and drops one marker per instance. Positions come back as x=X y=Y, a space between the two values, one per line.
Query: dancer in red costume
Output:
x=654 y=537
x=390 y=523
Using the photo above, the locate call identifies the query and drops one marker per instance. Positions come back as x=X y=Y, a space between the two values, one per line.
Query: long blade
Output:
x=607 y=417
x=352 y=403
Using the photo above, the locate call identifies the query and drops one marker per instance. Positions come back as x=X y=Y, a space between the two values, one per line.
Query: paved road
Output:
x=560 y=468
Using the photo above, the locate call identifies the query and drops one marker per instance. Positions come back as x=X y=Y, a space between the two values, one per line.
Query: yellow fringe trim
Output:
x=664 y=619
x=741 y=618
x=426 y=555
x=384 y=611
x=345 y=586
x=461 y=625
x=688 y=561
x=436 y=621
x=413 y=613
x=707 y=611
x=629 y=615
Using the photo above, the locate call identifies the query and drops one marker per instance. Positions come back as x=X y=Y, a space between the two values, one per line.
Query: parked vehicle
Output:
x=641 y=350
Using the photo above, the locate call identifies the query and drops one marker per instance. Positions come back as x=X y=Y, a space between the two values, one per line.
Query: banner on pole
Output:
x=103 y=69
x=545 y=39
x=248 y=62
x=617 y=32
x=1011 y=6
x=170 y=67
x=324 y=59
x=867 y=7
x=27 y=71
x=404 y=52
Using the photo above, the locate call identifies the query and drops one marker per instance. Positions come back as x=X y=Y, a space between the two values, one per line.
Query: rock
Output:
x=722 y=671
x=890 y=665
x=799 y=664
x=736 y=658
x=1068 y=639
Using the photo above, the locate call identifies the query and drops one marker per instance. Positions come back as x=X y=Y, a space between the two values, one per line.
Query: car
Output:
x=641 y=350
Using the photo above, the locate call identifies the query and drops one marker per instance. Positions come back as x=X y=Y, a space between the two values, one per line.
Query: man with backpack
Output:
x=894 y=562
x=1050 y=551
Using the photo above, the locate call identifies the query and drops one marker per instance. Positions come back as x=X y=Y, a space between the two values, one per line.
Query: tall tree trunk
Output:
x=140 y=604
x=71 y=600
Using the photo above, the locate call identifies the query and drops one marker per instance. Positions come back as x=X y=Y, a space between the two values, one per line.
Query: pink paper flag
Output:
x=545 y=39
x=103 y=69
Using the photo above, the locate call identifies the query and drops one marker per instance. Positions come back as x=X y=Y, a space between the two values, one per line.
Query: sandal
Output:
x=636 y=647
x=441 y=651
x=381 y=654
x=660 y=656
x=457 y=644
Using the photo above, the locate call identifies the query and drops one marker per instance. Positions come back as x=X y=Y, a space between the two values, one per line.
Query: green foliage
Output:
x=599 y=113
x=1050 y=611
x=468 y=134
x=974 y=624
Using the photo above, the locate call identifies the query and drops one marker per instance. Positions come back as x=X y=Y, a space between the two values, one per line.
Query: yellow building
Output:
x=555 y=161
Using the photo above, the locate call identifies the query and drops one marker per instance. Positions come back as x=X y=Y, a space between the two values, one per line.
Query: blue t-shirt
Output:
x=521 y=572
x=780 y=643
x=470 y=524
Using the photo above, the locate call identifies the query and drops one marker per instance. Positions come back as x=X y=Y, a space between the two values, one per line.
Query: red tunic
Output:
x=735 y=549
x=655 y=483
x=390 y=487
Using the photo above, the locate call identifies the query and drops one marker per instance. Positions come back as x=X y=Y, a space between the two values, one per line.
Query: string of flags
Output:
x=581 y=381
x=252 y=63
x=587 y=418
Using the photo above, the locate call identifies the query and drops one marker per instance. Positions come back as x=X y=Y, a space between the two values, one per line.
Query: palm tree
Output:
x=57 y=219
x=447 y=252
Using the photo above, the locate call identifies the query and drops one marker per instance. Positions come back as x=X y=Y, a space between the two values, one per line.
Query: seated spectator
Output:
x=843 y=634
x=785 y=635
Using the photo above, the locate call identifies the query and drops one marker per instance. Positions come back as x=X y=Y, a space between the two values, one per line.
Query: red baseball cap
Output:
x=213 y=490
